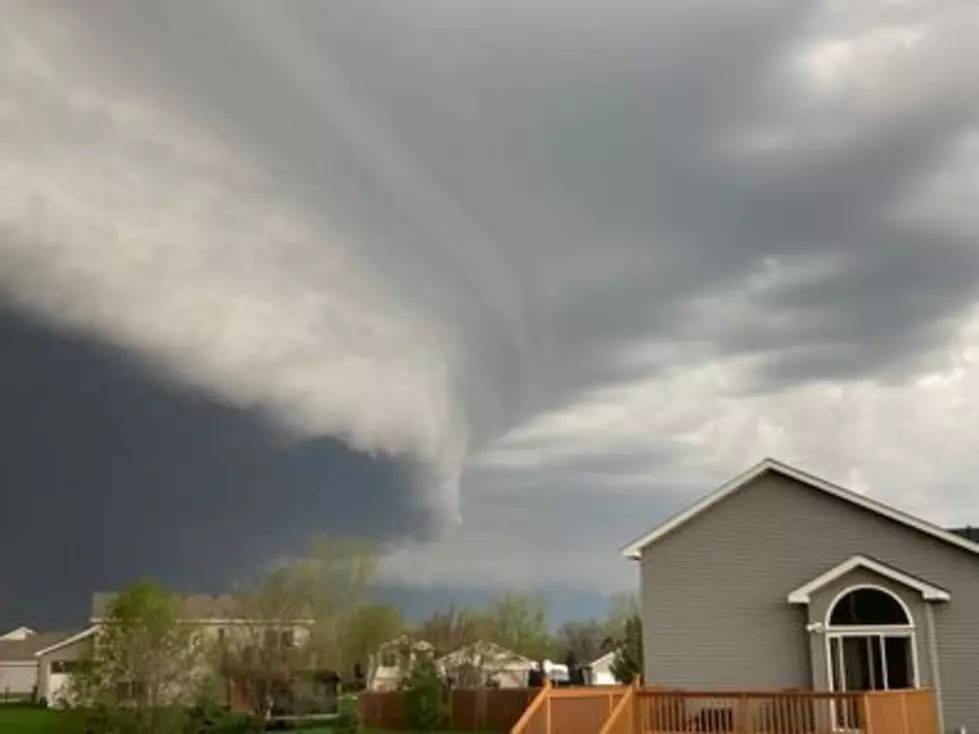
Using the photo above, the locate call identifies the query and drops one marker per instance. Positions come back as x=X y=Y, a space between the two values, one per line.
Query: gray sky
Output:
x=521 y=277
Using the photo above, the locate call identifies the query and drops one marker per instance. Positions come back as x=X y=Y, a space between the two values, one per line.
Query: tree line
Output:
x=145 y=656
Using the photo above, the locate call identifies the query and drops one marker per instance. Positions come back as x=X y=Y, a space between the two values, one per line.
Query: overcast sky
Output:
x=501 y=283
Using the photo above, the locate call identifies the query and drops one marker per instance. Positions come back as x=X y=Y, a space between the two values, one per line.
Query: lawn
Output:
x=28 y=720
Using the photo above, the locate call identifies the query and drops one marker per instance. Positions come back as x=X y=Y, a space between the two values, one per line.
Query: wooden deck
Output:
x=651 y=710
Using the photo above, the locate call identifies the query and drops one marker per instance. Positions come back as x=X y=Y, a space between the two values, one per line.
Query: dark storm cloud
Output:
x=568 y=203
x=110 y=474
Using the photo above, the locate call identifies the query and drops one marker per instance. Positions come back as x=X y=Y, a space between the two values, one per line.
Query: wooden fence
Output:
x=660 y=711
x=479 y=709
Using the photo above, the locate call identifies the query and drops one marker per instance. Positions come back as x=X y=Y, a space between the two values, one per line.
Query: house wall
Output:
x=714 y=590
x=17 y=677
x=51 y=685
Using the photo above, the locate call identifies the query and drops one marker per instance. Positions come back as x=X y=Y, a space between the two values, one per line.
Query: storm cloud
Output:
x=556 y=267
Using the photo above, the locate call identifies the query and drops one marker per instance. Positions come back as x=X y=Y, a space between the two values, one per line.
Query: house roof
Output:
x=635 y=548
x=929 y=592
x=25 y=650
x=17 y=634
x=189 y=607
x=67 y=640
x=486 y=648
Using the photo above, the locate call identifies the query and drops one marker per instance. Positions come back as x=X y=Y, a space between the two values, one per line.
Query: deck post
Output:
x=741 y=716
x=863 y=704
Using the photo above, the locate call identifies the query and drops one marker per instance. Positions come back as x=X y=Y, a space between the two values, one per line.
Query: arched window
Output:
x=870 y=641
x=868 y=606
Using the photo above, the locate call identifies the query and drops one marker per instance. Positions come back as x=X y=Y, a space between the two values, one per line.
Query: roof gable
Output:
x=929 y=592
x=485 y=651
x=635 y=548
x=21 y=633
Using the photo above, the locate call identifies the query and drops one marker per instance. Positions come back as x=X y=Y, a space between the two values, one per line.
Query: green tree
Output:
x=296 y=622
x=519 y=623
x=628 y=660
x=144 y=667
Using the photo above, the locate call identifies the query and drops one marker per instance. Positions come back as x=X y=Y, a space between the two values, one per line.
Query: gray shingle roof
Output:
x=23 y=650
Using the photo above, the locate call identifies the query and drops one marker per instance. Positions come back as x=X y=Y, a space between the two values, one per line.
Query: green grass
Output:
x=16 y=719
x=28 y=720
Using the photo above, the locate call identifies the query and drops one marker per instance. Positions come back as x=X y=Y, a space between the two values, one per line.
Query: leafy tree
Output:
x=628 y=660
x=297 y=622
x=519 y=623
x=144 y=667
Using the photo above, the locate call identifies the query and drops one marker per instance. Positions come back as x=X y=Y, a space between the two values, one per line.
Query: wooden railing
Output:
x=622 y=720
x=909 y=711
x=573 y=710
x=659 y=711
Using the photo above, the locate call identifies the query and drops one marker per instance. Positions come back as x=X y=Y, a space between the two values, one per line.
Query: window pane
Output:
x=868 y=606
x=899 y=662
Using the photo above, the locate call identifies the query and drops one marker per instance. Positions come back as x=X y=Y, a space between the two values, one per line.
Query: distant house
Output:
x=18 y=664
x=217 y=617
x=393 y=660
x=485 y=663
x=599 y=671
x=779 y=579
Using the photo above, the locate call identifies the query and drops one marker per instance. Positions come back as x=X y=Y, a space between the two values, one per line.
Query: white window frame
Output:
x=880 y=631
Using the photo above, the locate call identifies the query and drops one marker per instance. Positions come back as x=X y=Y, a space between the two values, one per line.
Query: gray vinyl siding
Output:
x=714 y=593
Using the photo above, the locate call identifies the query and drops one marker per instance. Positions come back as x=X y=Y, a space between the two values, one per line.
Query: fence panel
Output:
x=383 y=710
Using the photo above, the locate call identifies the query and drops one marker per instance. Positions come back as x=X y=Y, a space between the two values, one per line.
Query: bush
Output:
x=348 y=719
x=426 y=700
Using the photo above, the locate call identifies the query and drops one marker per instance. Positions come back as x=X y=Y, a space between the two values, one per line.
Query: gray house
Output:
x=779 y=579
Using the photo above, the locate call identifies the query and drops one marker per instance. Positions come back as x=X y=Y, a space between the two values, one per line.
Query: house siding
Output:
x=50 y=685
x=17 y=678
x=714 y=590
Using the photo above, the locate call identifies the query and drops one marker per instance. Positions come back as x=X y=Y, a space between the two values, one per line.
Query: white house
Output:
x=216 y=616
x=485 y=663
x=18 y=665
x=388 y=666
x=600 y=670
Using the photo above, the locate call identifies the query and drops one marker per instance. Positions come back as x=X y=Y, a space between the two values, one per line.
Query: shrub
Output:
x=426 y=701
x=348 y=719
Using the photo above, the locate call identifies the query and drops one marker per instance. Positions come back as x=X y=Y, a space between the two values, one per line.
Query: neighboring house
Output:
x=18 y=666
x=599 y=671
x=485 y=663
x=216 y=616
x=779 y=579
x=393 y=660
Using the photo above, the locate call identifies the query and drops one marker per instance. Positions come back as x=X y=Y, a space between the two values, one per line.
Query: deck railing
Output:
x=661 y=711
x=572 y=710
